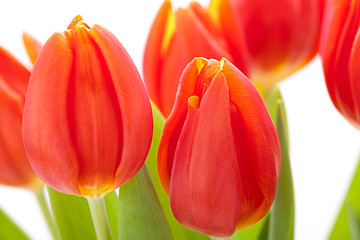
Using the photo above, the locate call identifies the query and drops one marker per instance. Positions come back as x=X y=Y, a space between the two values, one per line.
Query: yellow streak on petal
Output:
x=214 y=12
x=194 y=101
x=169 y=31
x=200 y=63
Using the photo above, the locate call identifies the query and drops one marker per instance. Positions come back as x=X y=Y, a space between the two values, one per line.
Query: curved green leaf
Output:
x=178 y=231
x=347 y=224
x=72 y=215
x=281 y=222
x=140 y=212
x=9 y=230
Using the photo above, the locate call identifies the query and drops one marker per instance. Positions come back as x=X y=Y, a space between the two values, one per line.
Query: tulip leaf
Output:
x=271 y=102
x=112 y=210
x=72 y=215
x=347 y=224
x=9 y=230
x=178 y=231
x=140 y=212
x=281 y=218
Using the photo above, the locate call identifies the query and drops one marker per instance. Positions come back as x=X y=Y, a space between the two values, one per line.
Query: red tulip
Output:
x=280 y=36
x=87 y=119
x=15 y=169
x=340 y=51
x=219 y=155
x=175 y=39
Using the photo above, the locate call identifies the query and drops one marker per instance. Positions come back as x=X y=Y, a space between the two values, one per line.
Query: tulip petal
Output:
x=187 y=43
x=354 y=68
x=49 y=80
x=13 y=73
x=258 y=133
x=91 y=95
x=204 y=188
x=175 y=122
x=32 y=46
x=15 y=169
x=154 y=50
x=136 y=115
x=341 y=24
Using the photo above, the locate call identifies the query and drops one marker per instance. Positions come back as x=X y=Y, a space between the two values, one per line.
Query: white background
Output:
x=324 y=146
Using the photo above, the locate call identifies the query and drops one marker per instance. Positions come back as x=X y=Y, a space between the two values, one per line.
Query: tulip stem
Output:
x=101 y=223
x=40 y=196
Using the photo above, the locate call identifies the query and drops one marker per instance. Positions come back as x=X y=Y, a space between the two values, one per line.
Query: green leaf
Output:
x=9 y=230
x=347 y=224
x=140 y=212
x=178 y=231
x=272 y=105
x=112 y=210
x=353 y=220
x=72 y=215
x=281 y=222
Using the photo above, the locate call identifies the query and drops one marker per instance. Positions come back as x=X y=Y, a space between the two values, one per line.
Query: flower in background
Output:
x=15 y=169
x=219 y=155
x=340 y=52
x=280 y=36
x=87 y=119
x=174 y=40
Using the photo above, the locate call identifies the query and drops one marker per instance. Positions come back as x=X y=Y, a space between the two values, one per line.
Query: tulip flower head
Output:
x=219 y=155
x=15 y=169
x=340 y=51
x=87 y=119
x=279 y=36
x=175 y=38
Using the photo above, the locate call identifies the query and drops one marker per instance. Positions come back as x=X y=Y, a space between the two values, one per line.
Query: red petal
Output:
x=205 y=187
x=354 y=68
x=175 y=122
x=341 y=23
x=13 y=73
x=258 y=142
x=136 y=115
x=153 y=55
x=46 y=117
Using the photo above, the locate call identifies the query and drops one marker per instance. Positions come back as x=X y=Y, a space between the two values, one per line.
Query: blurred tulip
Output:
x=87 y=119
x=340 y=51
x=280 y=36
x=174 y=40
x=15 y=169
x=219 y=155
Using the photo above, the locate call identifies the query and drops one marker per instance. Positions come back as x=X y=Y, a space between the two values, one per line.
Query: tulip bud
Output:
x=219 y=155
x=174 y=40
x=280 y=36
x=340 y=52
x=15 y=169
x=87 y=119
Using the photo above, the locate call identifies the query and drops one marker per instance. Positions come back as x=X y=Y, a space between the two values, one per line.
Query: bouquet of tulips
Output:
x=197 y=148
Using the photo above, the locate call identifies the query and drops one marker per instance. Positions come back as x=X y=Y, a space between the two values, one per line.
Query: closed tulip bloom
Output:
x=174 y=40
x=280 y=36
x=340 y=51
x=87 y=119
x=15 y=169
x=219 y=155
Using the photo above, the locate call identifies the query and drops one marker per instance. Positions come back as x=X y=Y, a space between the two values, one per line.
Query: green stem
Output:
x=46 y=212
x=101 y=223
